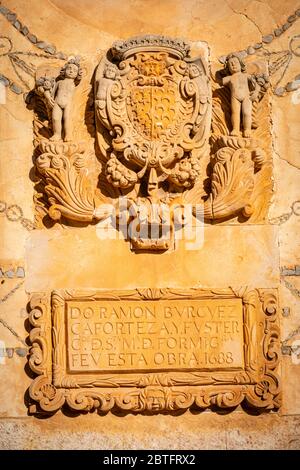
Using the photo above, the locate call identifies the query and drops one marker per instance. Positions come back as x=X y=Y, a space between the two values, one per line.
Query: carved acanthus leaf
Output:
x=65 y=169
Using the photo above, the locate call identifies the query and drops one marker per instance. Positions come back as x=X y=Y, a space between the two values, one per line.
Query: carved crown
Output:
x=123 y=49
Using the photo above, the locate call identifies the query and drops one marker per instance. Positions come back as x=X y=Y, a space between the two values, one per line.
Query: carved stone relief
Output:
x=161 y=131
x=140 y=350
x=153 y=107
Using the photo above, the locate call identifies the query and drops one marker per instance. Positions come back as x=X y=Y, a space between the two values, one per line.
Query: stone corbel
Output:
x=235 y=164
x=64 y=169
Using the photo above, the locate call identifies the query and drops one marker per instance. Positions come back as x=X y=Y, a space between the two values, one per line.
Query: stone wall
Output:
x=263 y=253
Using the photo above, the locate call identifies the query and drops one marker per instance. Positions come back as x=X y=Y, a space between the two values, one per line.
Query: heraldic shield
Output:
x=153 y=111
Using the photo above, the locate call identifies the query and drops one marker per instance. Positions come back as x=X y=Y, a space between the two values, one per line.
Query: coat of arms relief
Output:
x=164 y=132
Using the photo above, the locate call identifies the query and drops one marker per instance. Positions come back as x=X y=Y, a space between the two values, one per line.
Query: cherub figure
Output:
x=62 y=103
x=241 y=95
x=105 y=83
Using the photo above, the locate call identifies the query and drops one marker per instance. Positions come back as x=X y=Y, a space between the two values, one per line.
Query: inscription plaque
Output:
x=154 y=335
x=154 y=349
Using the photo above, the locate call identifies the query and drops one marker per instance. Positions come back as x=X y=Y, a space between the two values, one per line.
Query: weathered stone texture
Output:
x=251 y=233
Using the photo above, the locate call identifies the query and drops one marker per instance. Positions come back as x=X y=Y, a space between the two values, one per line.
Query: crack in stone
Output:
x=286 y=216
x=290 y=163
x=245 y=15
x=276 y=151
x=12 y=115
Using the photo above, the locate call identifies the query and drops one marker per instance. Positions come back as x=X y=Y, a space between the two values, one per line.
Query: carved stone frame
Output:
x=257 y=384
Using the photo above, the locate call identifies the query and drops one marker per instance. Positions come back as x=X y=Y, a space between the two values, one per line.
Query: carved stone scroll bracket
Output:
x=64 y=169
x=255 y=384
x=234 y=168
